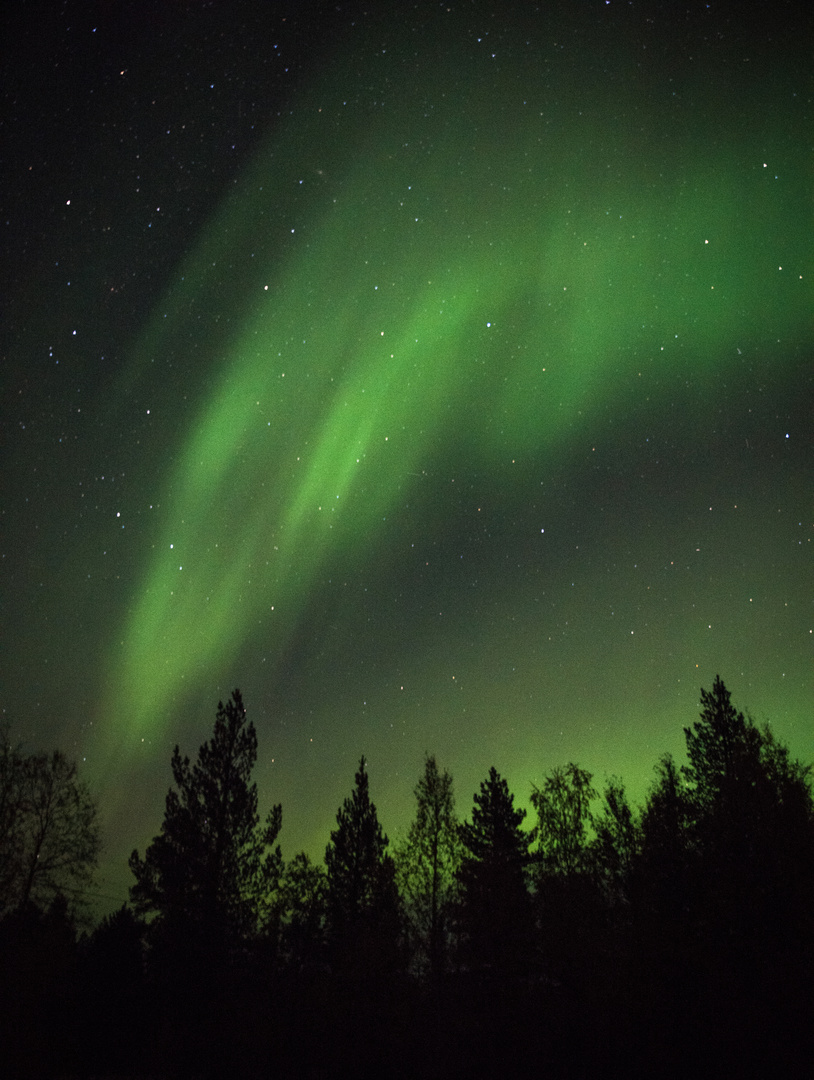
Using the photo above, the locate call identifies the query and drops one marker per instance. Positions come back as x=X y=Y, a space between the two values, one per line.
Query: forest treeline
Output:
x=599 y=938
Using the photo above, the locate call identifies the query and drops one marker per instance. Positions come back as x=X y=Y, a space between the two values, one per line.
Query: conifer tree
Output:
x=666 y=829
x=753 y=820
x=362 y=901
x=211 y=871
x=722 y=746
x=494 y=910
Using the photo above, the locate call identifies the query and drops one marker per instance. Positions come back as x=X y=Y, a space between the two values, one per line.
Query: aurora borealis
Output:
x=444 y=383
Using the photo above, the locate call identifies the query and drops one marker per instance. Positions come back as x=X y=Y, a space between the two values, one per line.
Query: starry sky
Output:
x=442 y=380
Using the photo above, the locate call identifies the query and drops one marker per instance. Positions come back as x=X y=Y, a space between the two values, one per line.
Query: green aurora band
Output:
x=474 y=269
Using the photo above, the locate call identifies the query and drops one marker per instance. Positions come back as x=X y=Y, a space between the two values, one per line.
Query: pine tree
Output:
x=667 y=839
x=362 y=901
x=724 y=889
x=723 y=748
x=211 y=872
x=426 y=866
x=494 y=910
x=665 y=895
x=753 y=819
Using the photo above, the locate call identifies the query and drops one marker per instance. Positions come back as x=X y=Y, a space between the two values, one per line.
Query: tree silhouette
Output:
x=302 y=899
x=211 y=872
x=725 y=873
x=616 y=844
x=667 y=844
x=563 y=806
x=37 y=957
x=723 y=749
x=494 y=910
x=566 y=895
x=753 y=821
x=426 y=867
x=112 y=1004
x=49 y=833
x=12 y=833
x=362 y=900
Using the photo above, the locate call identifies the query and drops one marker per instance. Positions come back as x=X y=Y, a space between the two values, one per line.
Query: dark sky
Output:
x=442 y=380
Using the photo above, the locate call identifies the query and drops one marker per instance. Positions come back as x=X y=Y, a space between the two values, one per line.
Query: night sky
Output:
x=442 y=380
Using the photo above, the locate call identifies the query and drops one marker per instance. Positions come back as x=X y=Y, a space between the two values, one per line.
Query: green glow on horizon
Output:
x=495 y=294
